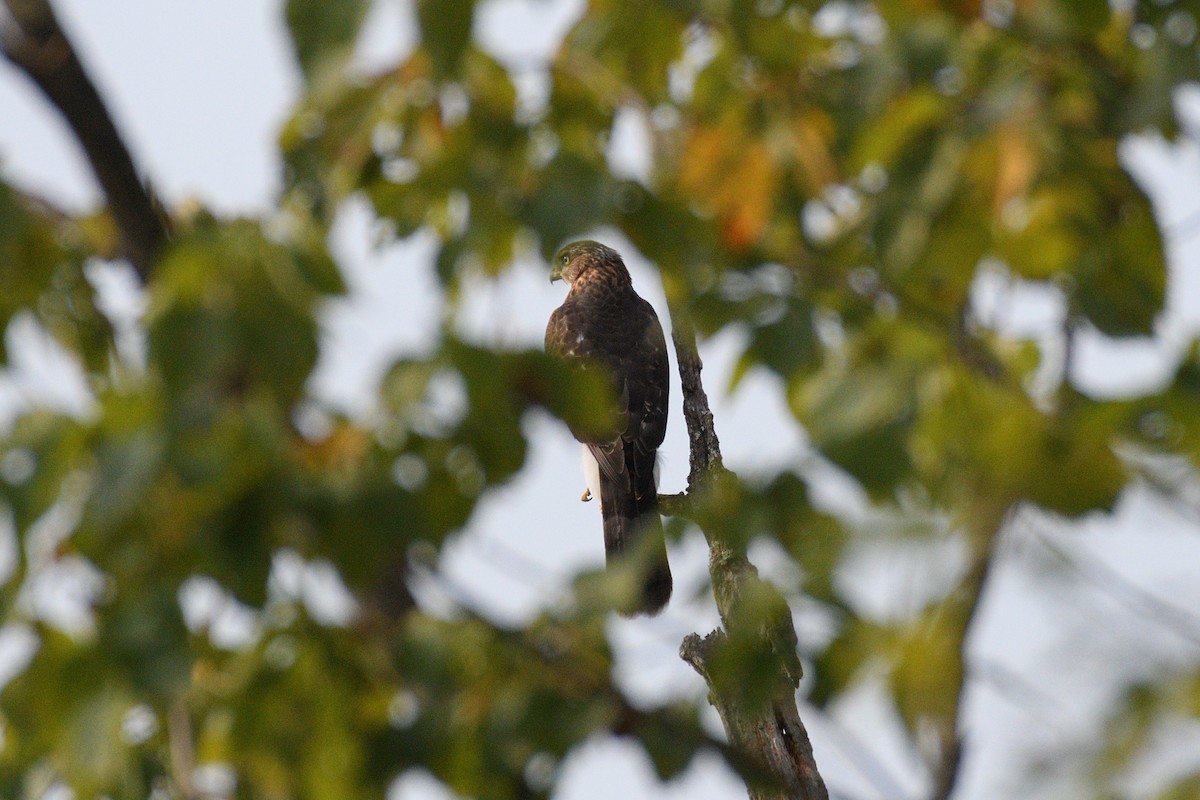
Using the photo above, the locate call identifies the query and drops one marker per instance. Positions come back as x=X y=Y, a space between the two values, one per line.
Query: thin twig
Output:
x=1021 y=693
x=860 y=755
x=1146 y=605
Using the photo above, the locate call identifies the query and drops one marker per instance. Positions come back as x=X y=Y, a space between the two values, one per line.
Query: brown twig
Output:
x=36 y=44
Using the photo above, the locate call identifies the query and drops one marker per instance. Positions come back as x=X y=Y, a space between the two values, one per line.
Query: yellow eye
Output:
x=566 y=260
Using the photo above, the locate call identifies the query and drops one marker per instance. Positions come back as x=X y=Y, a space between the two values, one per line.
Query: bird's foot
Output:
x=586 y=496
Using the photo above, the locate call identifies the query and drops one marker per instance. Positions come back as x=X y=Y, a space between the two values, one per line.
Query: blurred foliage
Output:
x=830 y=179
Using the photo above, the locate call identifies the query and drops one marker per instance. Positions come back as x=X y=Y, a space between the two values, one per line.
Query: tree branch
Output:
x=35 y=43
x=703 y=445
x=755 y=617
x=181 y=748
x=961 y=607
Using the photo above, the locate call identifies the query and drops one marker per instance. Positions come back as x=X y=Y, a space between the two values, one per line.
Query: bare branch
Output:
x=35 y=43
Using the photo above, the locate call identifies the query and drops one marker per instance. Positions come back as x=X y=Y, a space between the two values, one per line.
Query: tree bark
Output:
x=32 y=39
x=770 y=736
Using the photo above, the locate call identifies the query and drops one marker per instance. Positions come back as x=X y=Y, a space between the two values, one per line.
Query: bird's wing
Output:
x=648 y=383
x=567 y=339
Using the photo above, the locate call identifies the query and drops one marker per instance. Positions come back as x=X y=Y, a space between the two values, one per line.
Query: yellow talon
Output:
x=586 y=496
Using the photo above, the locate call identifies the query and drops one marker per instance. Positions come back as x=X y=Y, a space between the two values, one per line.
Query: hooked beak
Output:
x=555 y=272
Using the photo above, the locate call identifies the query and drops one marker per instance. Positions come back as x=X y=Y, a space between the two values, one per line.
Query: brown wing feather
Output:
x=566 y=338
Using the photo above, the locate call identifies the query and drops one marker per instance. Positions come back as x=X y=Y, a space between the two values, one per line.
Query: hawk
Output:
x=603 y=321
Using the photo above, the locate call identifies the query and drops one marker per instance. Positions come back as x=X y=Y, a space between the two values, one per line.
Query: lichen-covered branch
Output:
x=32 y=39
x=772 y=736
x=764 y=725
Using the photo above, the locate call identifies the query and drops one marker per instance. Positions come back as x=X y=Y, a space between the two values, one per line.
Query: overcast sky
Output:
x=200 y=90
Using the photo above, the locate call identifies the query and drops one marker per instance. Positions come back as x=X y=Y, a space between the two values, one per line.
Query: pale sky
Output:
x=200 y=91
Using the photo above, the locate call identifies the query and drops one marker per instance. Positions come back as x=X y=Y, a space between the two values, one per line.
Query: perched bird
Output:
x=604 y=322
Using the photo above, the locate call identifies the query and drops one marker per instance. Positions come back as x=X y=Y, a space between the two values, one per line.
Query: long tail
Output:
x=633 y=528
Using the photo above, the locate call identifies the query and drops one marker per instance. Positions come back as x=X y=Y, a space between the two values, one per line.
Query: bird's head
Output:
x=578 y=258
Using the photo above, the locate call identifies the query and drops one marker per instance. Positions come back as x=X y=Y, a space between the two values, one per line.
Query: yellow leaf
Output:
x=733 y=175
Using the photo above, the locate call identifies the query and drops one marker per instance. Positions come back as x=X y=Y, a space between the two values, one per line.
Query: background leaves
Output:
x=830 y=183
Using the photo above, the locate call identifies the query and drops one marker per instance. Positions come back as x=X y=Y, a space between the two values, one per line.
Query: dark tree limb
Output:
x=32 y=39
x=767 y=731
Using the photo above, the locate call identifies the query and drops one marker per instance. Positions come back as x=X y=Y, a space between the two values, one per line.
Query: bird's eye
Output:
x=566 y=260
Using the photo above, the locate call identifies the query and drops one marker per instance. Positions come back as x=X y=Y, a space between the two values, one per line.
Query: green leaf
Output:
x=671 y=738
x=1077 y=471
x=1182 y=788
x=231 y=315
x=583 y=398
x=1073 y=17
x=928 y=669
x=323 y=31
x=573 y=194
x=50 y=448
x=815 y=540
x=446 y=32
x=300 y=730
x=910 y=119
x=143 y=630
x=635 y=43
x=65 y=711
x=860 y=410
x=32 y=261
x=1122 y=281
x=1047 y=243
x=129 y=447
x=1170 y=420
x=859 y=642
